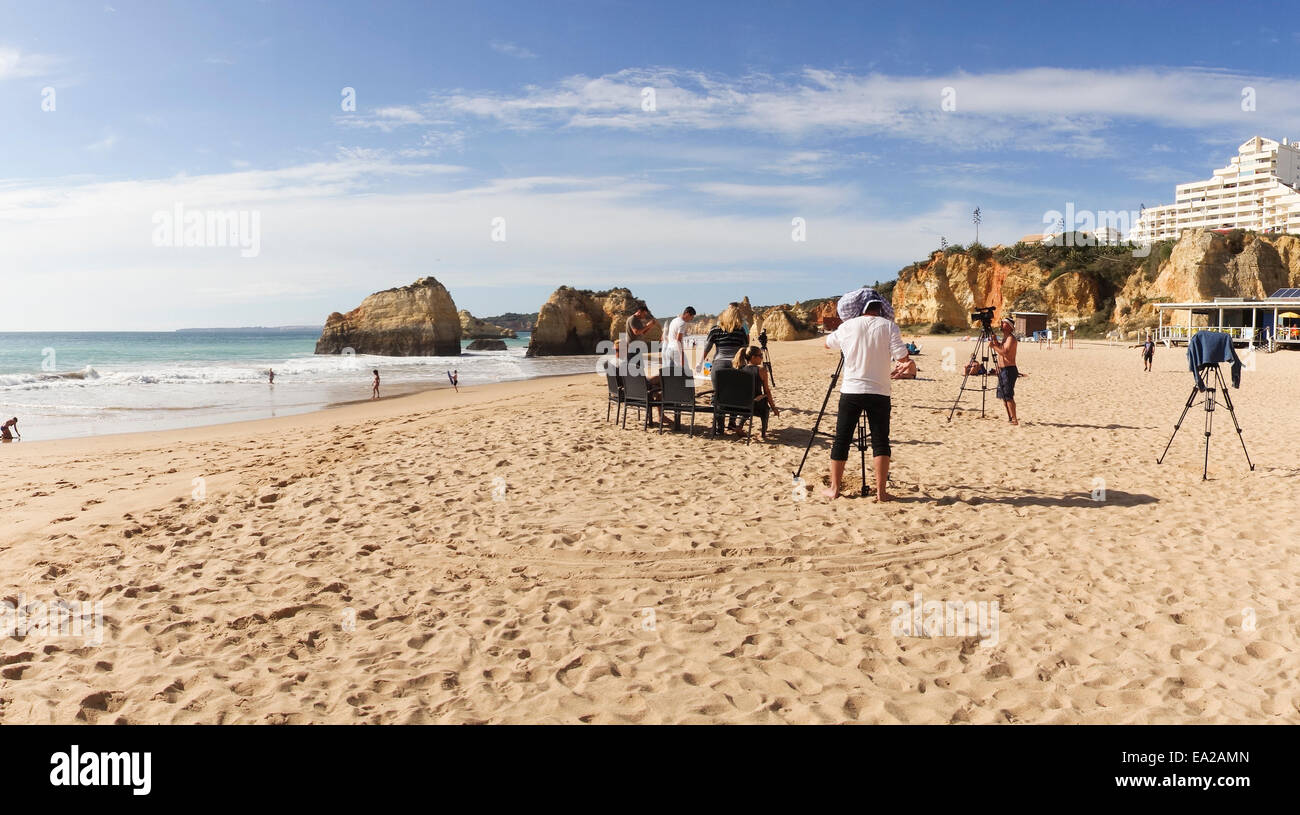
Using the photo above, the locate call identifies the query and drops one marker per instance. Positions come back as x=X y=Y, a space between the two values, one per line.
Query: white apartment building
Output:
x=1259 y=190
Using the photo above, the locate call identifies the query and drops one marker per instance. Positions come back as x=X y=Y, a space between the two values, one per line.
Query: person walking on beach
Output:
x=870 y=344
x=1007 y=371
x=454 y=378
x=374 y=389
x=1148 y=353
x=270 y=375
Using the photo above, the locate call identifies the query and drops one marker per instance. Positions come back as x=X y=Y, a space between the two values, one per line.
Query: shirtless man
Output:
x=5 y=432
x=1007 y=371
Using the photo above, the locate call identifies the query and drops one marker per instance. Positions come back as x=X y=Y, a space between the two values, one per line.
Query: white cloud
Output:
x=511 y=50
x=1039 y=109
x=331 y=229
x=104 y=144
x=14 y=64
x=794 y=195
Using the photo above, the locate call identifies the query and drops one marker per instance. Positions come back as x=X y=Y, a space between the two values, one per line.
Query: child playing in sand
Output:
x=374 y=391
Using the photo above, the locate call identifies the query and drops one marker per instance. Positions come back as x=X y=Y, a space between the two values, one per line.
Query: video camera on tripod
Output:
x=979 y=360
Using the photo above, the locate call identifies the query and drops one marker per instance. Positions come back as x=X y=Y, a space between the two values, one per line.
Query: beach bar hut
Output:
x=1029 y=322
x=1250 y=320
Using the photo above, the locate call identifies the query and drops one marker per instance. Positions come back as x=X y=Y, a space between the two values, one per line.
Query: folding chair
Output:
x=734 y=394
x=636 y=394
x=615 y=383
x=679 y=396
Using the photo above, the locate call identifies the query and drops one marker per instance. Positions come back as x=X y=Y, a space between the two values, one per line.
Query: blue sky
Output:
x=533 y=113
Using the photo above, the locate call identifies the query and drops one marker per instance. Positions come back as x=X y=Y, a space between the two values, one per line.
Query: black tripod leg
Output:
x=965 y=377
x=834 y=378
x=1178 y=424
x=862 y=448
x=1227 y=400
x=1209 y=421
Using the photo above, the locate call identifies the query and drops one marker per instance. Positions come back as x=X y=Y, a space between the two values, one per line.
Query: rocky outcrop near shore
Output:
x=486 y=345
x=575 y=321
x=415 y=320
x=782 y=324
x=472 y=328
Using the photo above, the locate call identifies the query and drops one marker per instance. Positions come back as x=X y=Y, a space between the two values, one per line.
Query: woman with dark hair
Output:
x=751 y=360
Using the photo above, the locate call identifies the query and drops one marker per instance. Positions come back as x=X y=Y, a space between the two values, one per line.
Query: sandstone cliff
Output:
x=472 y=328
x=783 y=323
x=575 y=321
x=1100 y=287
x=415 y=320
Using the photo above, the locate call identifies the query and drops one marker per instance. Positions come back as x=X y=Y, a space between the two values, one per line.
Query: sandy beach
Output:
x=503 y=554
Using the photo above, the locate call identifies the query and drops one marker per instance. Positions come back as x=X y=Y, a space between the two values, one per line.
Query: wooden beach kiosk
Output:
x=1270 y=322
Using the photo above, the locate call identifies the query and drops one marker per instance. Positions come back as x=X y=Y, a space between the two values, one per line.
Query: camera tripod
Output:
x=981 y=352
x=863 y=434
x=767 y=363
x=1209 y=414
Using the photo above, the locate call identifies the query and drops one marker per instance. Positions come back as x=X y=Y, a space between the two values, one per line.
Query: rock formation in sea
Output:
x=575 y=321
x=415 y=320
x=472 y=328
x=1103 y=287
x=486 y=345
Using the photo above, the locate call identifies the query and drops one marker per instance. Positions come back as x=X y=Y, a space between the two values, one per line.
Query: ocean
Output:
x=66 y=384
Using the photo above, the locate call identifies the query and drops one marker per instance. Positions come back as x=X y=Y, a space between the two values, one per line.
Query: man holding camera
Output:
x=871 y=344
x=1007 y=371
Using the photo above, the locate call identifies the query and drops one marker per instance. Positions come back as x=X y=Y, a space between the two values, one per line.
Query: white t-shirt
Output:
x=672 y=347
x=870 y=345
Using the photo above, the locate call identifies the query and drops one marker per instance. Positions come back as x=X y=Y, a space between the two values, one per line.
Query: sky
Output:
x=693 y=152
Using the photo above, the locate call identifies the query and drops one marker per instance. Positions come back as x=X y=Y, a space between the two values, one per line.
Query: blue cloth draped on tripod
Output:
x=1207 y=349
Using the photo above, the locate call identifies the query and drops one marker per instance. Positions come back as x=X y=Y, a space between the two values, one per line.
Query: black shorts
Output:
x=1007 y=382
x=852 y=406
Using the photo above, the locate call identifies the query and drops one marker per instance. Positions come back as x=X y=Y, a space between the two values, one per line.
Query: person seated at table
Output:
x=750 y=360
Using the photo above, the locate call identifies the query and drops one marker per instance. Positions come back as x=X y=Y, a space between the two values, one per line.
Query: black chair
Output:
x=615 y=383
x=679 y=397
x=734 y=395
x=636 y=394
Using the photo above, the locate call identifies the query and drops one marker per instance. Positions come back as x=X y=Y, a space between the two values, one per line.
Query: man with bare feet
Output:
x=871 y=344
x=1007 y=371
x=374 y=386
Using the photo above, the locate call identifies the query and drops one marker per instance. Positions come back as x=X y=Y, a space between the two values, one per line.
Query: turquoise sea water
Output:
x=62 y=384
